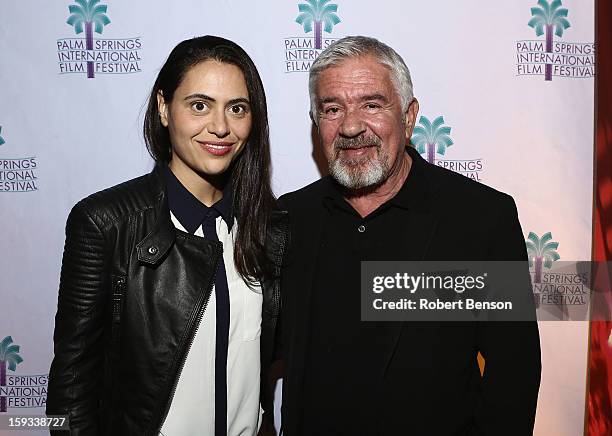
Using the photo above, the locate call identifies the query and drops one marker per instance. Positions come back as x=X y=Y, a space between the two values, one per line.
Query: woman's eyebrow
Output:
x=211 y=99
x=239 y=100
x=200 y=96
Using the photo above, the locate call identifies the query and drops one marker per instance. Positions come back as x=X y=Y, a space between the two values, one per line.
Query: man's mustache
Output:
x=357 y=142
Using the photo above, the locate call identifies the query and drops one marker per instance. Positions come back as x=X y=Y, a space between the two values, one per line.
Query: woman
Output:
x=160 y=304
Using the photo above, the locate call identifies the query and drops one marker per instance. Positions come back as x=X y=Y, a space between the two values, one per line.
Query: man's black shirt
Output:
x=339 y=338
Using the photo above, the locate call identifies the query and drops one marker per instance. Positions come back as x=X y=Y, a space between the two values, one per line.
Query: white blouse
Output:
x=192 y=411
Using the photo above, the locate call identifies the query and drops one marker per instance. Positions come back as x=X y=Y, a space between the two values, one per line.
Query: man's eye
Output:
x=372 y=106
x=199 y=106
x=331 y=110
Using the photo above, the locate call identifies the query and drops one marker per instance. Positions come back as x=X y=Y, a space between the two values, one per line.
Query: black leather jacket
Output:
x=132 y=292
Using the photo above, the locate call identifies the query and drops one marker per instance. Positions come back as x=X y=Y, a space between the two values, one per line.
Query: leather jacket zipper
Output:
x=118 y=290
x=194 y=328
x=117 y=303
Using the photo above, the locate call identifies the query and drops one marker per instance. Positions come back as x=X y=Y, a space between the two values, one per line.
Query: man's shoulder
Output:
x=306 y=197
x=447 y=189
x=119 y=201
x=453 y=188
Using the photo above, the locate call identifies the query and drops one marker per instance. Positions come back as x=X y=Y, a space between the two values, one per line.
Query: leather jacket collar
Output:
x=157 y=243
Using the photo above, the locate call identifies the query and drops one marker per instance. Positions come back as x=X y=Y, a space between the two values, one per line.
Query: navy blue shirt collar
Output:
x=190 y=211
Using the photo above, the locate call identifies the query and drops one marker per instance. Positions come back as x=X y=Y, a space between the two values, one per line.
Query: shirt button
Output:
x=361 y=228
x=153 y=249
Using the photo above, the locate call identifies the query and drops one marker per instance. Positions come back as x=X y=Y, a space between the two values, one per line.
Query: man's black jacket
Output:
x=427 y=379
x=132 y=291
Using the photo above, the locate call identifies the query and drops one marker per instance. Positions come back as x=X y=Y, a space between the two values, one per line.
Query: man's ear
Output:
x=314 y=120
x=411 y=115
x=162 y=108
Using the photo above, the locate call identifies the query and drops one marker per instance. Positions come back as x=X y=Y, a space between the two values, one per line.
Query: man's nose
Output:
x=217 y=124
x=352 y=124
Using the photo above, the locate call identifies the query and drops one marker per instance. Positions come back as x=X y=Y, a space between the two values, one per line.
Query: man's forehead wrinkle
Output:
x=359 y=76
x=356 y=94
x=347 y=84
x=355 y=97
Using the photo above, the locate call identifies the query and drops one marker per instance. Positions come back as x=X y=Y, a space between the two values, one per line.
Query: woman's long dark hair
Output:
x=253 y=199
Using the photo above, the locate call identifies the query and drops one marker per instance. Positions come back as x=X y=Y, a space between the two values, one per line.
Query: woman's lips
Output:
x=216 y=148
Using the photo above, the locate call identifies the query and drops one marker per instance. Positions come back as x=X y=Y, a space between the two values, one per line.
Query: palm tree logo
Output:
x=541 y=251
x=320 y=13
x=90 y=13
x=2 y=141
x=546 y=17
x=431 y=137
x=9 y=356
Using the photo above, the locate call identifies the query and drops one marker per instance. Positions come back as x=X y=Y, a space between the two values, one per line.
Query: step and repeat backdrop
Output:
x=506 y=94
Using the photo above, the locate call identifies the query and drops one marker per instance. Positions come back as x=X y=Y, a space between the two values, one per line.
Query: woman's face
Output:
x=209 y=119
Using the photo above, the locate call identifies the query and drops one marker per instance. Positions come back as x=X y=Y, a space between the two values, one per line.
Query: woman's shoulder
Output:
x=122 y=200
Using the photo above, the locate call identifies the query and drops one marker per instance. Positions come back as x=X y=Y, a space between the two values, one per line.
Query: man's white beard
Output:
x=362 y=172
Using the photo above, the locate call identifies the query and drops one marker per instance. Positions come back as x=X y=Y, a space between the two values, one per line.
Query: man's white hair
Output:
x=351 y=47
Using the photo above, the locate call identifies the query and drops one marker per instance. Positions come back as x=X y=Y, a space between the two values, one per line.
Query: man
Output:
x=382 y=201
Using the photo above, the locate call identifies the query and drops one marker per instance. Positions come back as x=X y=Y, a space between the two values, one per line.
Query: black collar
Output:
x=190 y=211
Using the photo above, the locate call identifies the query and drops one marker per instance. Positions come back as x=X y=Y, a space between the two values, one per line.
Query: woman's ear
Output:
x=162 y=108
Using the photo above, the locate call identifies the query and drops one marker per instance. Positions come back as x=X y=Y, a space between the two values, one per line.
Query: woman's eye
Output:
x=238 y=110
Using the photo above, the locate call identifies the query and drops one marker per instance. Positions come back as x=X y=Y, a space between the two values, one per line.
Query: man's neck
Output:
x=368 y=202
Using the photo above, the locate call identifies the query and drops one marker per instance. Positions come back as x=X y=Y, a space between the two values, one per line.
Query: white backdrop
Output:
x=477 y=64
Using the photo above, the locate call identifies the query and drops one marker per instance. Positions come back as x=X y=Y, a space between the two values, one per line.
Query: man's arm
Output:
x=511 y=350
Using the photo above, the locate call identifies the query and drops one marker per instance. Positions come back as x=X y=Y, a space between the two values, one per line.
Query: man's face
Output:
x=362 y=126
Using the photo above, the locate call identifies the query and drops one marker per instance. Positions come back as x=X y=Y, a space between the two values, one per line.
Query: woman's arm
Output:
x=75 y=378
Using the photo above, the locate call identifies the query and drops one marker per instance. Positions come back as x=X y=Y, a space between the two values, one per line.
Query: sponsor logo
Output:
x=315 y=17
x=542 y=252
x=547 y=57
x=555 y=283
x=92 y=56
x=432 y=138
x=19 y=391
x=17 y=174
